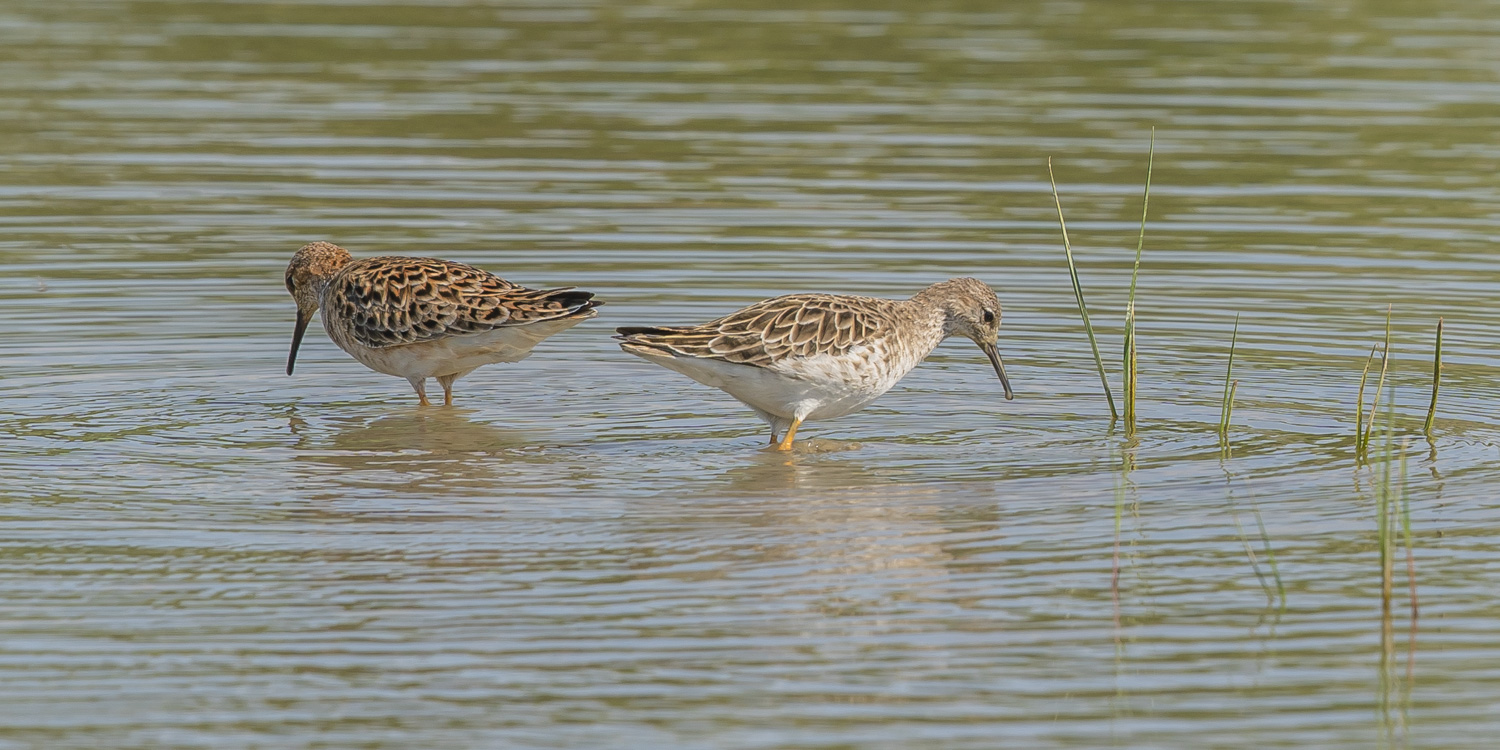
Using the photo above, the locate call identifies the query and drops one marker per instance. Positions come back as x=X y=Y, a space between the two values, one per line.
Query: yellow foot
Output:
x=423 y=401
x=447 y=399
x=791 y=432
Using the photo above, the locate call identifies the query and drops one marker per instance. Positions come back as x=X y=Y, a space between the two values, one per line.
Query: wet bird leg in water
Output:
x=420 y=386
x=791 y=432
x=446 y=381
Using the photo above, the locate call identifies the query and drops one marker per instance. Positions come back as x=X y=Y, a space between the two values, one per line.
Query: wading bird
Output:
x=420 y=318
x=819 y=356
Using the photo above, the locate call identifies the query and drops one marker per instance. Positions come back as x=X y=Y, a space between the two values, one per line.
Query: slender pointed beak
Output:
x=994 y=355
x=303 y=319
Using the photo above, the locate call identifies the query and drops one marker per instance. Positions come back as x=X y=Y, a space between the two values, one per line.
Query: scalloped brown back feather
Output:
x=391 y=301
x=767 y=332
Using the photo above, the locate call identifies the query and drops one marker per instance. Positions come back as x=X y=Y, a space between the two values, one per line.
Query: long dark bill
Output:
x=994 y=355
x=304 y=318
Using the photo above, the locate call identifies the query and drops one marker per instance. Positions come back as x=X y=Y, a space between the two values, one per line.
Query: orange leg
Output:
x=446 y=381
x=791 y=432
x=420 y=386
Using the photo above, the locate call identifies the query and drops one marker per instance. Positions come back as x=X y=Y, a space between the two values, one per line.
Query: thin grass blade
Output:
x=1083 y=308
x=1145 y=206
x=1130 y=376
x=1385 y=366
x=1130 y=356
x=1437 y=378
x=1359 y=412
x=1227 y=405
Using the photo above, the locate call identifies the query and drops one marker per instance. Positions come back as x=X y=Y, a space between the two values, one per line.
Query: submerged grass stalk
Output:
x=1083 y=309
x=1384 y=511
x=1437 y=378
x=1114 y=576
x=1130 y=364
x=1265 y=540
x=1411 y=562
x=1250 y=553
x=1383 y=535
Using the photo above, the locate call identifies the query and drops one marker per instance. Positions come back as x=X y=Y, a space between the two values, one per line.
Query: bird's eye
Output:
x=989 y=316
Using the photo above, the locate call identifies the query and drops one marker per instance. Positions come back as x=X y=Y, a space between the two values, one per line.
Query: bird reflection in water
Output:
x=418 y=450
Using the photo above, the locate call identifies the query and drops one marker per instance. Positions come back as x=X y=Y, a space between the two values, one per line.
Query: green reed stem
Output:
x=1145 y=205
x=1130 y=364
x=1437 y=378
x=1227 y=406
x=1234 y=388
x=1083 y=308
x=1385 y=366
x=1128 y=376
x=1359 y=409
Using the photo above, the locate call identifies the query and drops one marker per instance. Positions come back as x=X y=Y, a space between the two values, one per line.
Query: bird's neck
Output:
x=936 y=301
x=931 y=325
x=320 y=286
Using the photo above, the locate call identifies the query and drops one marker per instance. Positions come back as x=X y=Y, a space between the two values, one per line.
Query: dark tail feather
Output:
x=578 y=301
x=625 y=332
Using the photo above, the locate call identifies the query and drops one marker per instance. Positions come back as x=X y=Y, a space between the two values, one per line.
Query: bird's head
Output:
x=307 y=275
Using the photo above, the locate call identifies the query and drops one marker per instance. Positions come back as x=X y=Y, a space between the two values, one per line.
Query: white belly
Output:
x=816 y=388
x=455 y=355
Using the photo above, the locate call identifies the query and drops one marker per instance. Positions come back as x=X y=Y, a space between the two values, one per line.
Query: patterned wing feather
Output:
x=390 y=301
x=784 y=328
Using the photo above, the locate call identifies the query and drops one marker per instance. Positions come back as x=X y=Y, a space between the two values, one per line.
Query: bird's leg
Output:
x=446 y=381
x=420 y=386
x=769 y=419
x=791 y=432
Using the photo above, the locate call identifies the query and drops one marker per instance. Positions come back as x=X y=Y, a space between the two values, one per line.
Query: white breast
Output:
x=451 y=355
x=819 y=387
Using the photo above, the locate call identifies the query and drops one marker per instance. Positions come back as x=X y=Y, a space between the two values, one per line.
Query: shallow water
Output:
x=589 y=551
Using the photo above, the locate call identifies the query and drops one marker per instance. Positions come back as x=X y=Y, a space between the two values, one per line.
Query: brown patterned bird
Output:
x=819 y=356
x=420 y=318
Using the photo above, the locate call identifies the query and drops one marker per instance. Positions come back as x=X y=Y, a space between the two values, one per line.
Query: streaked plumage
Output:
x=819 y=356
x=420 y=318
